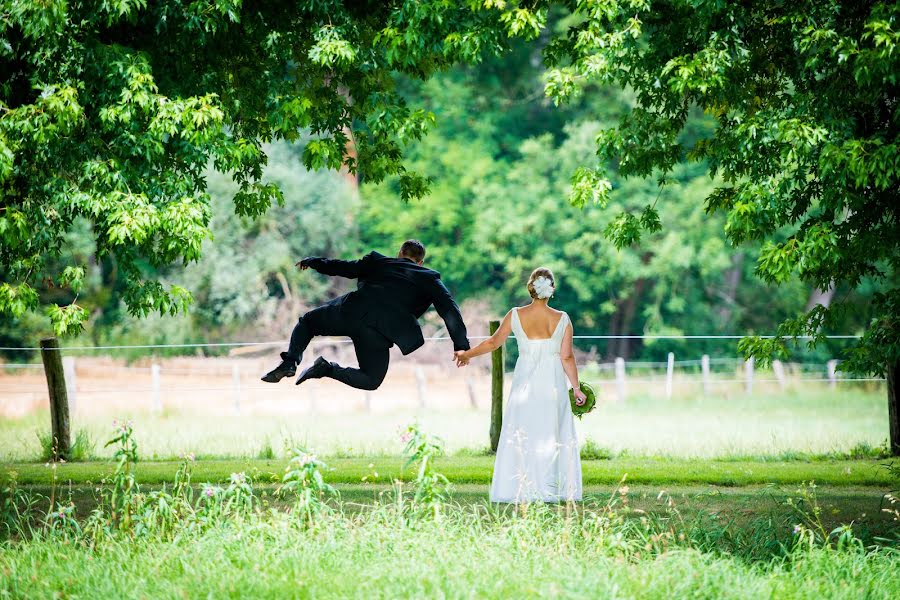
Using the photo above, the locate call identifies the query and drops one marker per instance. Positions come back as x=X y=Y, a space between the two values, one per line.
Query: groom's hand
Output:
x=460 y=358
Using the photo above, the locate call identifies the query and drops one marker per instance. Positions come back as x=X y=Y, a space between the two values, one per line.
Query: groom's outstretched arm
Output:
x=449 y=311
x=351 y=269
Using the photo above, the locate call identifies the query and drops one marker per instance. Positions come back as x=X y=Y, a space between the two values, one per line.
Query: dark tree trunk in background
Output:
x=893 y=383
x=612 y=346
x=628 y=309
x=622 y=322
x=728 y=295
x=822 y=297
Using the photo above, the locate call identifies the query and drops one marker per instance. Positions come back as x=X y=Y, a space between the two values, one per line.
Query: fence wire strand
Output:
x=428 y=339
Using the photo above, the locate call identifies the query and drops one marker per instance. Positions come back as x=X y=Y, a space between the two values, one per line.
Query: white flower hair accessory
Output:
x=543 y=287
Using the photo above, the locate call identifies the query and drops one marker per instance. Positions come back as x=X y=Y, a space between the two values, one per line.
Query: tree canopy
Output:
x=111 y=111
x=805 y=149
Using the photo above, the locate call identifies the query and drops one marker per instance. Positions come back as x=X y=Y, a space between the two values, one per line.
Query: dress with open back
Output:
x=537 y=457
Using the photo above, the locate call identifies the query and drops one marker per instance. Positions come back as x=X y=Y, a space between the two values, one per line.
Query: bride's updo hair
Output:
x=543 y=291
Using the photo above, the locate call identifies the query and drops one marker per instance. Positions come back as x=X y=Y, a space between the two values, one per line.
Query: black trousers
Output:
x=372 y=348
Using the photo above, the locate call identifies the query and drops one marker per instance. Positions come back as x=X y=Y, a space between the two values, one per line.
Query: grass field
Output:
x=743 y=491
x=478 y=469
x=679 y=528
x=813 y=422
x=384 y=554
x=702 y=498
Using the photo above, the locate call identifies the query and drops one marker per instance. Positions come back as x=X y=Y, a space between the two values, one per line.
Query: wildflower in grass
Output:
x=209 y=492
x=238 y=478
x=798 y=529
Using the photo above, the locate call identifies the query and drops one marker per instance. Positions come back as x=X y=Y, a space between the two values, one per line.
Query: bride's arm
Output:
x=567 y=356
x=463 y=357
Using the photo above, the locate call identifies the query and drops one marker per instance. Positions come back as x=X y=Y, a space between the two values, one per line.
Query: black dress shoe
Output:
x=319 y=369
x=287 y=368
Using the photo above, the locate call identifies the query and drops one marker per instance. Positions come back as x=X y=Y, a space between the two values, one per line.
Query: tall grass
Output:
x=233 y=541
x=82 y=448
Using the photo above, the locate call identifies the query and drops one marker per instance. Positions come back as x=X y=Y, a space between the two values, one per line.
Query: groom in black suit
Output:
x=392 y=293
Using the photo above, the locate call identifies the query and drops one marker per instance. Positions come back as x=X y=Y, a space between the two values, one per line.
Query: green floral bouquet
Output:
x=590 y=401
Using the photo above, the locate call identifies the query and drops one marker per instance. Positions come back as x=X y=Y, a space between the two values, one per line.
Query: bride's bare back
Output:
x=538 y=320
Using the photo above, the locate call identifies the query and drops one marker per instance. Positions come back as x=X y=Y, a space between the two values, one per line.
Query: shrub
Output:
x=266 y=452
x=591 y=450
x=82 y=448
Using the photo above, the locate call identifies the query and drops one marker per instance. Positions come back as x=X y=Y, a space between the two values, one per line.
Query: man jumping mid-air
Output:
x=391 y=294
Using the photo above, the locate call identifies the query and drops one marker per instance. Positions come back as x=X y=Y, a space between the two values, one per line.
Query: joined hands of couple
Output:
x=462 y=358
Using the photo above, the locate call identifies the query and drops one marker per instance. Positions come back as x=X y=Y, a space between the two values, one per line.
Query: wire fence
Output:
x=706 y=373
x=428 y=339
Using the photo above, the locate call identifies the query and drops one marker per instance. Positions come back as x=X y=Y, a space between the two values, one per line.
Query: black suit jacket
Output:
x=392 y=293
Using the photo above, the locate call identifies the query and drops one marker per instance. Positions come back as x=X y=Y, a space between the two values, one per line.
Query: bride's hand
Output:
x=460 y=358
x=580 y=398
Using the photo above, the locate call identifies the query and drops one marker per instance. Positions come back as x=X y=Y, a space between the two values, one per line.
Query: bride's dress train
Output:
x=537 y=457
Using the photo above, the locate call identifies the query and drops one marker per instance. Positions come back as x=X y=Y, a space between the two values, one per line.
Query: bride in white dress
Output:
x=537 y=457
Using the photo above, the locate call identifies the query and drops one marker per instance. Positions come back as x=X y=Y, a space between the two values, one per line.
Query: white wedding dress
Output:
x=537 y=457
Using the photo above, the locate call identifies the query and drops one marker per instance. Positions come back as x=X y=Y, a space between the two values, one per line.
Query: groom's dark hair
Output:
x=413 y=249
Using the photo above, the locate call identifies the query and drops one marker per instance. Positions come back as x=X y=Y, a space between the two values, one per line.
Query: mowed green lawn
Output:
x=478 y=470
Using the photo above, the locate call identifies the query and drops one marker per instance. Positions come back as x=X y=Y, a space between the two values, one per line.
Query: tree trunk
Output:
x=350 y=152
x=628 y=310
x=822 y=297
x=624 y=316
x=59 y=400
x=893 y=393
x=728 y=295
x=612 y=346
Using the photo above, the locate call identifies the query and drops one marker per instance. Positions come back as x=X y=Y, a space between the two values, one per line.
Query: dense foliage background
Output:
x=117 y=120
x=501 y=157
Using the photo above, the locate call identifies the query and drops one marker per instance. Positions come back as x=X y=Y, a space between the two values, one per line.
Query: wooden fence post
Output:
x=154 y=383
x=420 y=385
x=59 y=400
x=670 y=373
x=311 y=389
x=778 y=369
x=236 y=387
x=496 y=390
x=748 y=374
x=473 y=396
x=68 y=363
x=832 y=373
x=704 y=369
x=620 y=379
